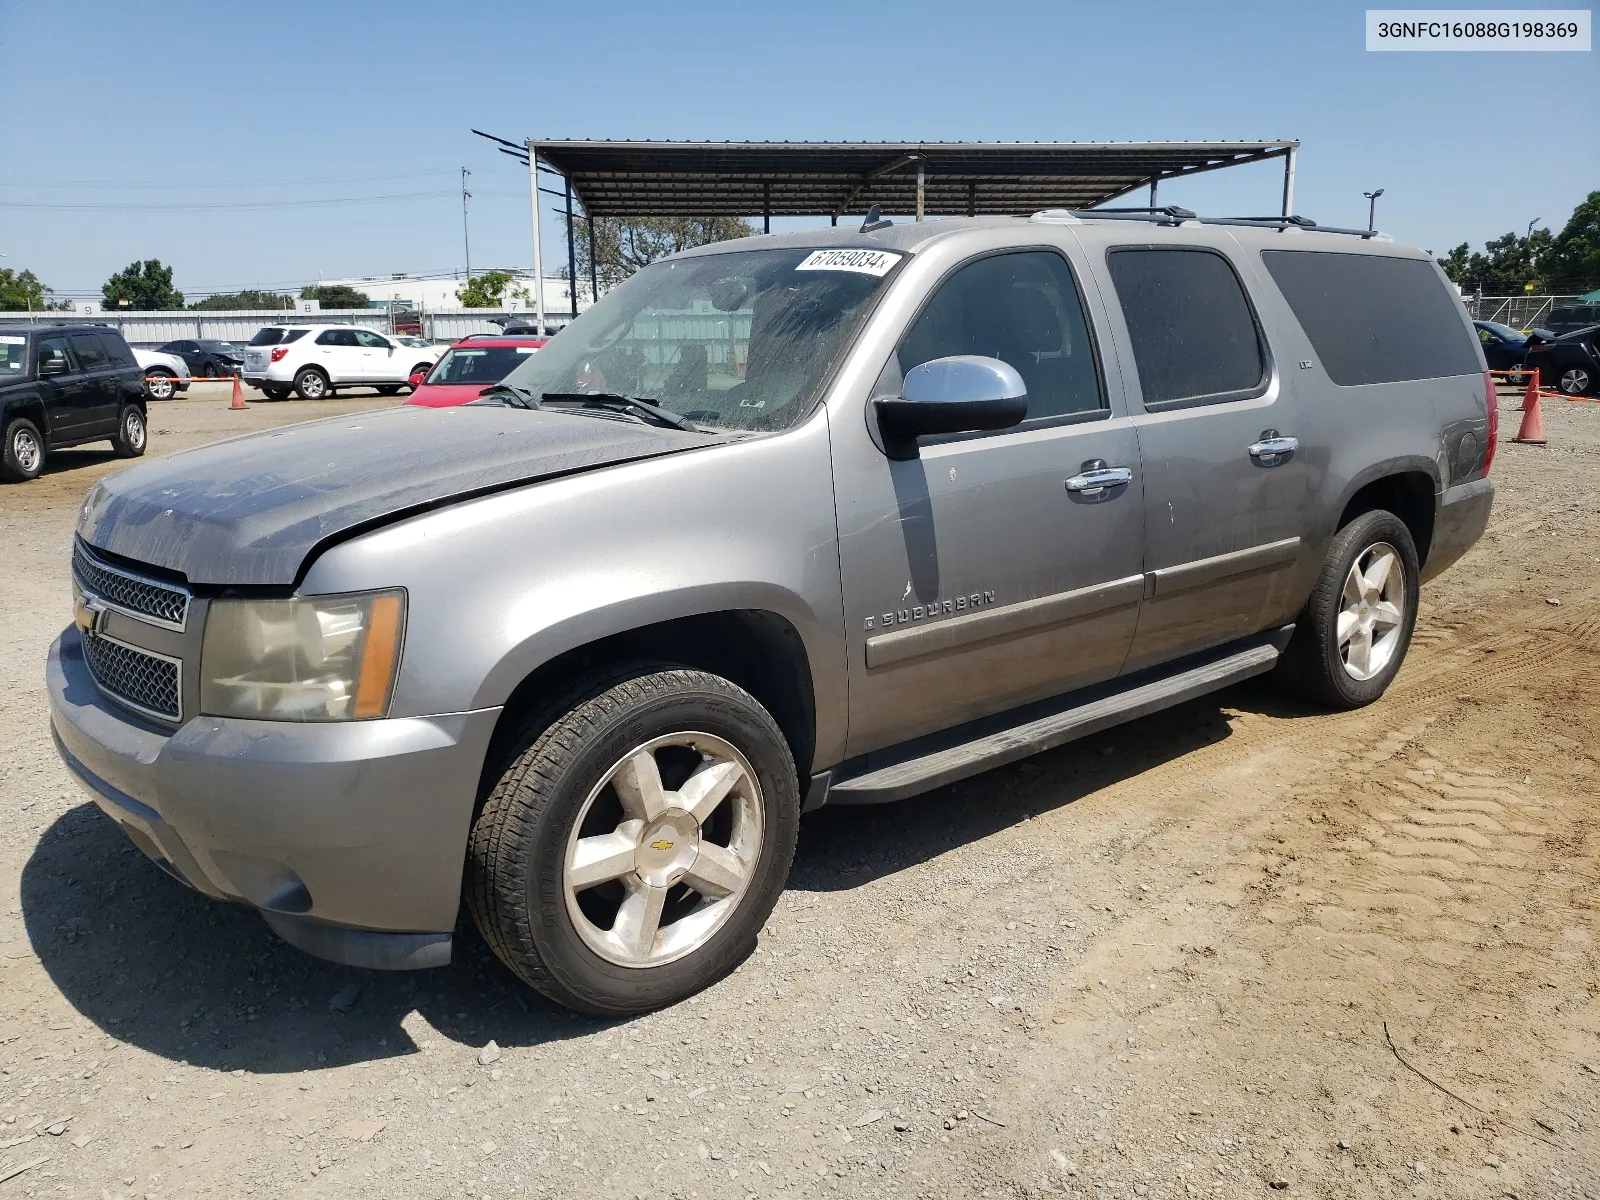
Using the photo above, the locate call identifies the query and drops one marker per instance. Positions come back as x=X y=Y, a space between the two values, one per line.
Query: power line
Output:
x=125 y=184
x=247 y=206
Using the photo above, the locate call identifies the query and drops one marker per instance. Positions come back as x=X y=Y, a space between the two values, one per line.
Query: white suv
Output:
x=316 y=360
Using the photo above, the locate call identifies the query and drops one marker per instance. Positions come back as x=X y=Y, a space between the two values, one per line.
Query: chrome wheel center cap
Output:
x=667 y=848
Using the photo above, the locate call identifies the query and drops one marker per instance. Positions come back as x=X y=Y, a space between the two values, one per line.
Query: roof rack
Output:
x=1173 y=215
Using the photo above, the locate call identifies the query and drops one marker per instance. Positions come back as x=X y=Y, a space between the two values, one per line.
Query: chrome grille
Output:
x=132 y=593
x=141 y=680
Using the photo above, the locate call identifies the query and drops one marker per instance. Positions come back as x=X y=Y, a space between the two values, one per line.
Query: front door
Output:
x=379 y=362
x=986 y=573
x=1225 y=488
x=68 y=394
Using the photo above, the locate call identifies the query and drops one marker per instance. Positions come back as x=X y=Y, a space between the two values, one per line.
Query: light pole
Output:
x=1372 y=207
x=466 y=241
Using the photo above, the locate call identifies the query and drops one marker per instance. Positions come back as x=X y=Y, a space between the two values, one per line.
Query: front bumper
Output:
x=347 y=836
x=1461 y=517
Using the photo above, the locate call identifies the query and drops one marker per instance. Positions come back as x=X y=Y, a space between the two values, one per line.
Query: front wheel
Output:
x=311 y=383
x=1575 y=381
x=631 y=850
x=159 y=385
x=388 y=389
x=22 y=454
x=1351 y=638
x=129 y=440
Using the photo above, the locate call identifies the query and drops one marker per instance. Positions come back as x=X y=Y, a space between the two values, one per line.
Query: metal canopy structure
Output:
x=811 y=179
x=802 y=179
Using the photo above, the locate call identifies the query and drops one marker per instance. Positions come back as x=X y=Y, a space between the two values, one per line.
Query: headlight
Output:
x=316 y=658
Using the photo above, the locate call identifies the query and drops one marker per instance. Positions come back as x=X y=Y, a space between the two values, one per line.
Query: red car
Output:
x=470 y=366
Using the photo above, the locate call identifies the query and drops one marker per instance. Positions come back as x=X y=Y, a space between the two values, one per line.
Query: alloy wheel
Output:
x=1372 y=611
x=1575 y=381
x=663 y=850
x=25 y=450
x=133 y=429
x=159 y=386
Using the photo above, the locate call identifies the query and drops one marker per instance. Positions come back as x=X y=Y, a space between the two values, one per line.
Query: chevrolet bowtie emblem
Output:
x=661 y=845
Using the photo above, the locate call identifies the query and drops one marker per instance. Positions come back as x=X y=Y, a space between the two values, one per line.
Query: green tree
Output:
x=1572 y=263
x=23 y=291
x=335 y=295
x=1455 y=264
x=250 y=298
x=142 y=287
x=487 y=290
x=624 y=244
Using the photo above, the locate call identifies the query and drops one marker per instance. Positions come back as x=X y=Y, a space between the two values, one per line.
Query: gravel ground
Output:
x=1237 y=948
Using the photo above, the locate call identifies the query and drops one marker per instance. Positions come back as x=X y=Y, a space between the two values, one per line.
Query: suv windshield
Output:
x=478 y=364
x=13 y=353
x=735 y=341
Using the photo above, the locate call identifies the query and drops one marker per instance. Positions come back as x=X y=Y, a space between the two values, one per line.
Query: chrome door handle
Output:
x=1092 y=483
x=1274 y=446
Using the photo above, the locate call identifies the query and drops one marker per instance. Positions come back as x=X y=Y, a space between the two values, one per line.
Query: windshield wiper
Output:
x=512 y=395
x=614 y=400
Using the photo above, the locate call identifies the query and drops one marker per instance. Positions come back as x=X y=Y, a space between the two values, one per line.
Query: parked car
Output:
x=65 y=385
x=1570 y=318
x=471 y=366
x=1504 y=348
x=317 y=361
x=165 y=375
x=208 y=358
x=1569 y=364
x=907 y=504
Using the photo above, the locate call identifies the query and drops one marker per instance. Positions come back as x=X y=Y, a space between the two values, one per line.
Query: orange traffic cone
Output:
x=1532 y=431
x=238 y=396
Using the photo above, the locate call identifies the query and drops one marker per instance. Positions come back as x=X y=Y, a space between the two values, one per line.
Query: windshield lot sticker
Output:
x=864 y=262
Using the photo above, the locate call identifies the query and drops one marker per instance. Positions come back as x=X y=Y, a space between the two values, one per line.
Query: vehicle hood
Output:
x=159 y=358
x=445 y=395
x=253 y=510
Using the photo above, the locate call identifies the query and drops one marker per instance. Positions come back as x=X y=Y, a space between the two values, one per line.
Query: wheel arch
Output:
x=759 y=650
x=1407 y=488
x=28 y=410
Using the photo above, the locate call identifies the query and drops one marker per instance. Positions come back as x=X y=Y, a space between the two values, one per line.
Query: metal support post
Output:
x=972 y=199
x=572 y=257
x=766 y=208
x=538 y=249
x=1152 y=193
x=594 y=269
x=919 y=186
x=1288 y=183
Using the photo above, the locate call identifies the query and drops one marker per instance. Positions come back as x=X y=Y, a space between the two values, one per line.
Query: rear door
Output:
x=1224 y=516
x=103 y=397
x=339 y=354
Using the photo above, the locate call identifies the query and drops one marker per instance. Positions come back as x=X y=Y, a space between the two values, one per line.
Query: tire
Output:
x=132 y=433
x=555 y=788
x=1575 y=381
x=312 y=384
x=275 y=393
x=422 y=367
x=388 y=389
x=1317 y=666
x=213 y=371
x=22 y=454
x=160 y=385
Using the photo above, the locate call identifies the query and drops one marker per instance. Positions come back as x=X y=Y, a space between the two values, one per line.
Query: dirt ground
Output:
x=1238 y=946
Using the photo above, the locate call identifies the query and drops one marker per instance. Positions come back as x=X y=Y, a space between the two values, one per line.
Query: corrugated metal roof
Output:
x=621 y=178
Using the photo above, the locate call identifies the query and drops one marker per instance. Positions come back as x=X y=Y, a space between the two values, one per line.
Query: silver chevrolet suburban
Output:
x=818 y=518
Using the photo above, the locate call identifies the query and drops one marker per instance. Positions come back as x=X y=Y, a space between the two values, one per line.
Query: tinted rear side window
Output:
x=267 y=337
x=1194 y=336
x=90 y=352
x=1373 y=319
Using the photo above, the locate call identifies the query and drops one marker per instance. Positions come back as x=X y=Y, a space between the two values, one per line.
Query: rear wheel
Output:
x=388 y=389
x=311 y=384
x=1351 y=638
x=632 y=848
x=130 y=437
x=1575 y=381
x=159 y=384
x=22 y=455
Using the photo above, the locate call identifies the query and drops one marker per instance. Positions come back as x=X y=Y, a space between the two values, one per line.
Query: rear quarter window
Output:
x=1373 y=319
x=267 y=337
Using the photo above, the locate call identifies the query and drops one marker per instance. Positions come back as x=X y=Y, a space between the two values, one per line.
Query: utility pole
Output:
x=466 y=241
x=572 y=256
x=538 y=246
x=1372 y=207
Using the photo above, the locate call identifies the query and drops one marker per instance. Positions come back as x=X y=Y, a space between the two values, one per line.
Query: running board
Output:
x=1108 y=705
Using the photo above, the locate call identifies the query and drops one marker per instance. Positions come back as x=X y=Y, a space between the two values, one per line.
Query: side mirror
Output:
x=52 y=364
x=418 y=378
x=961 y=394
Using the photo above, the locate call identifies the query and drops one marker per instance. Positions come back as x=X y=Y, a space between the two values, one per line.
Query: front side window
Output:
x=741 y=340
x=1022 y=308
x=372 y=340
x=53 y=355
x=1193 y=333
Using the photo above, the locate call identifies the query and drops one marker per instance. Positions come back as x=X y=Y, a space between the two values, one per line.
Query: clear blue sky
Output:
x=356 y=99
